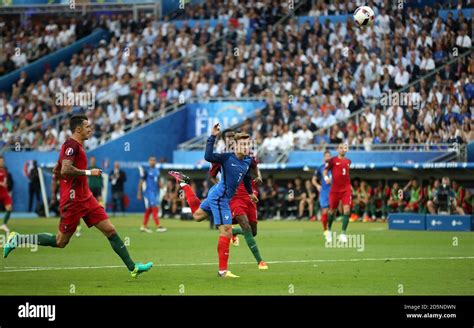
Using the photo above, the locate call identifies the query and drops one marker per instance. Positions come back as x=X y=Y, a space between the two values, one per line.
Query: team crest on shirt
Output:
x=69 y=151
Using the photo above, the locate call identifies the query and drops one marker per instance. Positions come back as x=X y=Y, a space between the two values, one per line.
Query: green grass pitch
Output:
x=185 y=257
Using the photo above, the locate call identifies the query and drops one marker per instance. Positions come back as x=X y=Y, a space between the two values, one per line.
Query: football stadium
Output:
x=234 y=147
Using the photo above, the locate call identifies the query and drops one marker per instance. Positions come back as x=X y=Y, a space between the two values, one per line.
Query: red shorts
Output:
x=413 y=205
x=394 y=206
x=89 y=210
x=335 y=197
x=240 y=206
x=378 y=204
x=5 y=199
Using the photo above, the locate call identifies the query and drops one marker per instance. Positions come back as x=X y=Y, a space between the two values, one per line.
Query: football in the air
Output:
x=364 y=16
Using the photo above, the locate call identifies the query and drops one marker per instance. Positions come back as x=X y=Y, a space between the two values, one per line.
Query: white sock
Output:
x=182 y=184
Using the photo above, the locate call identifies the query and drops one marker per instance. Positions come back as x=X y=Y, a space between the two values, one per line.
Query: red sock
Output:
x=193 y=201
x=155 y=216
x=147 y=216
x=223 y=252
x=324 y=220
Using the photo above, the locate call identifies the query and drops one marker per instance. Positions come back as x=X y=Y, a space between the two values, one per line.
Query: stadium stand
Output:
x=323 y=83
x=23 y=44
x=322 y=71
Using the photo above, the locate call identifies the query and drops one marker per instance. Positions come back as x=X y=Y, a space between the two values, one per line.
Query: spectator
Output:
x=118 y=132
x=459 y=194
x=342 y=114
x=361 y=202
x=308 y=200
x=54 y=202
x=467 y=203
x=286 y=139
x=117 y=179
x=328 y=119
x=378 y=201
x=95 y=183
x=322 y=138
x=300 y=196
x=303 y=138
x=413 y=67
x=269 y=147
x=268 y=198
x=427 y=63
x=289 y=202
x=34 y=188
x=396 y=200
x=430 y=189
x=463 y=41
x=415 y=194
x=402 y=76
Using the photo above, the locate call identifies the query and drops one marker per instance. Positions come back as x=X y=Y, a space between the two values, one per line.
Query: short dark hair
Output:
x=76 y=121
x=228 y=131
x=327 y=151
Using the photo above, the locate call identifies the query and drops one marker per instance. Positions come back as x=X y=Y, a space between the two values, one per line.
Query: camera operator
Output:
x=444 y=199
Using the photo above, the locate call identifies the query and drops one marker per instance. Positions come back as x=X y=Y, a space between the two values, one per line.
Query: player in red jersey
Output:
x=340 y=188
x=244 y=212
x=5 y=198
x=76 y=201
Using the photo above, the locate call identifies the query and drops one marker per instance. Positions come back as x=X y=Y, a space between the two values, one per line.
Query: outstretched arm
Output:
x=407 y=186
x=209 y=155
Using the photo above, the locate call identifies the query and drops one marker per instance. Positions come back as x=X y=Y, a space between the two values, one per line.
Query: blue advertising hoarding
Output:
x=450 y=222
x=202 y=116
x=412 y=221
x=406 y=221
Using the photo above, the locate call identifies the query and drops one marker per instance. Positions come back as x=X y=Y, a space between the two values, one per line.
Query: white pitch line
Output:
x=28 y=269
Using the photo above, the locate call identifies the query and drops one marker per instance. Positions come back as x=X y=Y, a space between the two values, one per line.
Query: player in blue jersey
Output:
x=234 y=169
x=323 y=189
x=149 y=191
